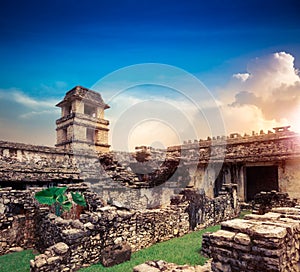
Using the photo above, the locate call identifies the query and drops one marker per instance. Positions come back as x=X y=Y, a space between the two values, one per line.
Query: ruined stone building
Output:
x=259 y=162
x=82 y=122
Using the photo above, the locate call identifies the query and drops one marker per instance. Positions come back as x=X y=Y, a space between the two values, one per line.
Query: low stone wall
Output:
x=268 y=242
x=85 y=239
x=20 y=214
x=68 y=244
x=88 y=237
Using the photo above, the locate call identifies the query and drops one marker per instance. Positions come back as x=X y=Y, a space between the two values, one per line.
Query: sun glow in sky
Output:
x=247 y=53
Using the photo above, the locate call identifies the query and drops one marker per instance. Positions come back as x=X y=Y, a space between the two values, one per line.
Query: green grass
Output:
x=182 y=250
x=16 y=262
x=243 y=213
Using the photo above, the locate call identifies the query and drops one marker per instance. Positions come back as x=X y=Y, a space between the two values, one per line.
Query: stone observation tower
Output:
x=82 y=124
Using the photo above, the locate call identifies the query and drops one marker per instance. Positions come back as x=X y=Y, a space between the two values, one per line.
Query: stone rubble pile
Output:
x=264 y=201
x=158 y=266
x=268 y=242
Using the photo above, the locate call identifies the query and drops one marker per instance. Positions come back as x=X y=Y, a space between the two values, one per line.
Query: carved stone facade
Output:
x=260 y=162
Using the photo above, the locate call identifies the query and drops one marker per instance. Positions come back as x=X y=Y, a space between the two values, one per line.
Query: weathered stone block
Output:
x=145 y=268
x=242 y=239
x=60 y=248
x=40 y=260
x=269 y=232
x=116 y=254
x=16 y=249
x=73 y=234
x=220 y=267
x=53 y=260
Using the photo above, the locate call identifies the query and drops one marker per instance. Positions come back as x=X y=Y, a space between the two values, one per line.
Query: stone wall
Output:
x=195 y=165
x=88 y=237
x=268 y=242
x=17 y=220
x=24 y=165
x=289 y=175
x=83 y=241
x=28 y=164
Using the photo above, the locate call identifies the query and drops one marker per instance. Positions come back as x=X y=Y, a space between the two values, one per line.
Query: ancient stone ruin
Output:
x=101 y=232
x=136 y=199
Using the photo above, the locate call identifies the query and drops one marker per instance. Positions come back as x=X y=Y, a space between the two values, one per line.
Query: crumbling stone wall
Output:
x=191 y=164
x=88 y=237
x=17 y=220
x=204 y=211
x=84 y=240
x=268 y=242
x=28 y=164
x=72 y=243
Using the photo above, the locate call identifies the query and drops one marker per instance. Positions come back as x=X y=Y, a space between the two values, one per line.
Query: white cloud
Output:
x=172 y=111
x=265 y=96
x=149 y=89
x=33 y=114
x=27 y=119
x=242 y=77
x=268 y=95
x=29 y=102
x=16 y=95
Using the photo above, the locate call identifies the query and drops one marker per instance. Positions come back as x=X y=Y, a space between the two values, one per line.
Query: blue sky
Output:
x=47 y=47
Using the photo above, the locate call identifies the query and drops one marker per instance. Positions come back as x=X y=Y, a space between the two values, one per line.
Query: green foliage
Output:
x=78 y=199
x=182 y=250
x=16 y=262
x=56 y=196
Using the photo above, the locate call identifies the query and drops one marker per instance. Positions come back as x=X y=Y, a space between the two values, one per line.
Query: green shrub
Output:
x=56 y=196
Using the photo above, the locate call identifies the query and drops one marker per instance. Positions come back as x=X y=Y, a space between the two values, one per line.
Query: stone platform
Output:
x=269 y=242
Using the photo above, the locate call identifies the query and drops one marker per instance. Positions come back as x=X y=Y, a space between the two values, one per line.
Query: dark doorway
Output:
x=261 y=178
x=220 y=180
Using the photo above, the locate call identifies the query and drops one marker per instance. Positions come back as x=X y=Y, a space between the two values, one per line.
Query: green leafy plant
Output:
x=57 y=196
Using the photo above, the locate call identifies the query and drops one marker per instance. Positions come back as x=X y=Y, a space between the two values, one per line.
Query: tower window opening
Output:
x=64 y=134
x=89 y=110
x=67 y=110
x=90 y=134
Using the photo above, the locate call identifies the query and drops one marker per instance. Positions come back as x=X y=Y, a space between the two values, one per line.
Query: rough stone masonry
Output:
x=68 y=244
x=269 y=242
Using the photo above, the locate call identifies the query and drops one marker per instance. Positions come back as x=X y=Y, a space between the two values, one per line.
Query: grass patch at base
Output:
x=16 y=262
x=181 y=250
x=243 y=213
